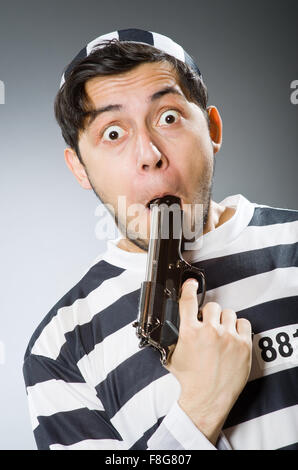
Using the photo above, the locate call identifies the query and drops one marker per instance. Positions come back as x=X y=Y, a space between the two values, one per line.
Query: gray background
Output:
x=247 y=52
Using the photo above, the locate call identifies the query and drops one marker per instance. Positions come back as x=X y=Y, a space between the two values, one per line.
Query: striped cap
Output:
x=157 y=40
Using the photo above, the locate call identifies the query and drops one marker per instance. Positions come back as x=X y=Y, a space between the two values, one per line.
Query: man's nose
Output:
x=149 y=155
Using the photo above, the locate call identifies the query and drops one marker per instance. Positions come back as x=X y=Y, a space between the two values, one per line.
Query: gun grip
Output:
x=170 y=330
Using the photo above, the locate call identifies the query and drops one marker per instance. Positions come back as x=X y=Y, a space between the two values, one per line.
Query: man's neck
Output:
x=218 y=215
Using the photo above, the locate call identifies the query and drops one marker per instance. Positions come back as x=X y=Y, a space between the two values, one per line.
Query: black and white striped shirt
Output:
x=89 y=385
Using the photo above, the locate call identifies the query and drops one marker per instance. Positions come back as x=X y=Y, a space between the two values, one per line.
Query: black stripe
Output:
x=73 y=426
x=78 y=58
x=232 y=268
x=272 y=314
x=126 y=375
x=290 y=447
x=136 y=35
x=271 y=216
x=38 y=369
x=128 y=378
x=83 y=338
x=226 y=269
x=141 y=443
x=265 y=395
x=96 y=275
x=191 y=63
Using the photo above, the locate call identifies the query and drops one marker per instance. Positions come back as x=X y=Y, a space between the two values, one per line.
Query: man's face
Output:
x=150 y=141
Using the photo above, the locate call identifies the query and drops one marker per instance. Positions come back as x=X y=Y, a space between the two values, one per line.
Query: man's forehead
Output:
x=148 y=76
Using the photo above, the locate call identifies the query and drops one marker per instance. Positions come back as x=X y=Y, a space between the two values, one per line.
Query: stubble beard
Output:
x=202 y=198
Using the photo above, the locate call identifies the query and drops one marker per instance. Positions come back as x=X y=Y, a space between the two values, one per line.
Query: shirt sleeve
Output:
x=66 y=413
x=178 y=432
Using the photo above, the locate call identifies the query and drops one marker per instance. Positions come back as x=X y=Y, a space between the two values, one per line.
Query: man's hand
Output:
x=211 y=361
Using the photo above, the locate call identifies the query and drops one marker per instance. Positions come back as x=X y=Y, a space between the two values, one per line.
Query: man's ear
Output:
x=77 y=168
x=215 y=127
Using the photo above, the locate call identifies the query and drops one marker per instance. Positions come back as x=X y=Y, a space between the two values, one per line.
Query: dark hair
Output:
x=71 y=103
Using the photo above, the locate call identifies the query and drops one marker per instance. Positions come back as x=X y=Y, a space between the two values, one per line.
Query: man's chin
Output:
x=139 y=241
x=135 y=245
x=142 y=244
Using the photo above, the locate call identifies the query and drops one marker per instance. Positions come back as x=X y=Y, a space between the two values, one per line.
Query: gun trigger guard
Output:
x=199 y=275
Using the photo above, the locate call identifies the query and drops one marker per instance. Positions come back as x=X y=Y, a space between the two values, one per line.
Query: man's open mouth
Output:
x=161 y=196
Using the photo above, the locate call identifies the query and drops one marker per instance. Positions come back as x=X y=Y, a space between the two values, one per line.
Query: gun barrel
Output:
x=158 y=314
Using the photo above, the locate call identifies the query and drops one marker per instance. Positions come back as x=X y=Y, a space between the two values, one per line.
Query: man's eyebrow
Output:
x=92 y=114
x=165 y=91
x=96 y=112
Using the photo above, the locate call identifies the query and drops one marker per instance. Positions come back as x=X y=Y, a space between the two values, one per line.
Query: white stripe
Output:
x=145 y=408
x=251 y=291
x=279 y=347
x=62 y=81
x=55 y=396
x=254 y=290
x=259 y=237
x=92 y=444
x=109 y=354
x=82 y=311
x=91 y=45
x=257 y=371
x=168 y=45
x=99 y=39
x=268 y=432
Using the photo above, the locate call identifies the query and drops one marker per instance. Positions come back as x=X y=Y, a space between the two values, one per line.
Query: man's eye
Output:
x=169 y=117
x=113 y=133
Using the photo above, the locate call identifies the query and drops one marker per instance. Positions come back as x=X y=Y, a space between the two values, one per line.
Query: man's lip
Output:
x=159 y=196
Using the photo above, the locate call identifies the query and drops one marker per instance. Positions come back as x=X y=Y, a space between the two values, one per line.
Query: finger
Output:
x=188 y=303
x=243 y=328
x=211 y=313
x=228 y=319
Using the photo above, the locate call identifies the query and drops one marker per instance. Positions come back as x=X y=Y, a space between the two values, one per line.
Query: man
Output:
x=133 y=111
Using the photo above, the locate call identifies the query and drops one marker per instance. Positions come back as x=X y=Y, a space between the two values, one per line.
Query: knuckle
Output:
x=228 y=312
x=245 y=347
x=244 y=321
x=211 y=309
x=187 y=298
x=247 y=343
x=188 y=293
x=244 y=324
x=210 y=306
x=211 y=331
x=228 y=338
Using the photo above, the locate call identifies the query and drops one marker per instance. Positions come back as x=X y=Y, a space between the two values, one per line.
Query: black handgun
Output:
x=158 y=311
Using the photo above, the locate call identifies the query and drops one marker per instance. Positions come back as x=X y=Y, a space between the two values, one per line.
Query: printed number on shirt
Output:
x=277 y=346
